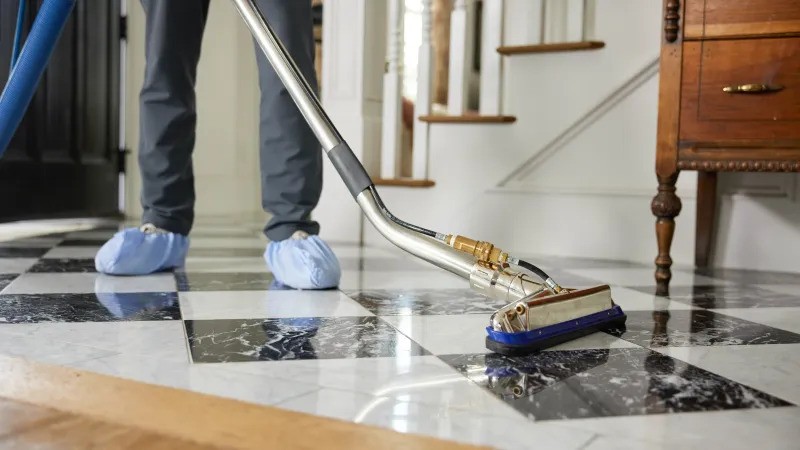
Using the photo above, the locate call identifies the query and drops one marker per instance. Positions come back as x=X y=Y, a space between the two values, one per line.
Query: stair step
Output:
x=550 y=48
x=404 y=182
x=467 y=118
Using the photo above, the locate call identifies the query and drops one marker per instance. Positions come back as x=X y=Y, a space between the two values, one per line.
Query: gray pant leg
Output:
x=291 y=156
x=168 y=113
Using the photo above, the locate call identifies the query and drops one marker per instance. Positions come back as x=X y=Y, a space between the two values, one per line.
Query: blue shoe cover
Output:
x=303 y=262
x=141 y=251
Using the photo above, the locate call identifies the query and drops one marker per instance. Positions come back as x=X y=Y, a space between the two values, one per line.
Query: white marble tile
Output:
x=445 y=335
x=227 y=242
x=421 y=379
x=769 y=368
x=226 y=264
x=158 y=339
x=644 y=277
x=594 y=341
x=87 y=283
x=783 y=318
x=434 y=278
x=77 y=252
x=213 y=379
x=493 y=427
x=633 y=300
x=774 y=428
x=267 y=304
x=16 y=265
x=46 y=351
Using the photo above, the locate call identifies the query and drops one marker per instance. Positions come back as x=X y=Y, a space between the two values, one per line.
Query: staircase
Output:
x=558 y=156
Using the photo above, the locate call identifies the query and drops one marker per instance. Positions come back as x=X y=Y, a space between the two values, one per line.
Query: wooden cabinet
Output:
x=729 y=100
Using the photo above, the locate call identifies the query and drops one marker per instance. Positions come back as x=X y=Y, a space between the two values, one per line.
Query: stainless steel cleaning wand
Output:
x=468 y=259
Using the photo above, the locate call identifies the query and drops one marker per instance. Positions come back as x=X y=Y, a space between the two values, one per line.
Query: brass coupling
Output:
x=485 y=252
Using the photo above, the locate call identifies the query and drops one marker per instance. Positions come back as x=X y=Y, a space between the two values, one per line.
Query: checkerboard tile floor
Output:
x=401 y=344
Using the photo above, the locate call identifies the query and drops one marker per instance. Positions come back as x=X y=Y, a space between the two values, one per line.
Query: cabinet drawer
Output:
x=713 y=71
x=729 y=18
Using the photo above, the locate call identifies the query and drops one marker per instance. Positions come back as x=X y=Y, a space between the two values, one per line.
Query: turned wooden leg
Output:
x=706 y=210
x=666 y=206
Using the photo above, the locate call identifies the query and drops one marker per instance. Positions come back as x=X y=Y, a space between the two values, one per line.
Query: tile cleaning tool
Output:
x=538 y=314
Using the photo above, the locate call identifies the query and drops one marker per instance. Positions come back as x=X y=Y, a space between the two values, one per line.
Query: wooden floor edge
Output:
x=467 y=119
x=191 y=416
x=550 y=48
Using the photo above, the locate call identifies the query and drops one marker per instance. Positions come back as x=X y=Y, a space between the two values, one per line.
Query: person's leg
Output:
x=173 y=36
x=291 y=158
x=168 y=114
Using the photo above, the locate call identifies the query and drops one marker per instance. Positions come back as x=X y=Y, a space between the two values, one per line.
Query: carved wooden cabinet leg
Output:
x=666 y=206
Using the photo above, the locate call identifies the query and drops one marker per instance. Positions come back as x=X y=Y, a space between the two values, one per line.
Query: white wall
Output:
x=591 y=195
x=226 y=153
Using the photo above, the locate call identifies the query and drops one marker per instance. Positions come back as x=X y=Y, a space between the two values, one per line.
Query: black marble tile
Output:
x=220 y=281
x=416 y=302
x=744 y=276
x=22 y=252
x=6 y=279
x=699 y=327
x=573 y=384
x=255 y=252
x=61 y=265
x=727 y=296
x=216 y=341
x=84 y=242
x=109 y=307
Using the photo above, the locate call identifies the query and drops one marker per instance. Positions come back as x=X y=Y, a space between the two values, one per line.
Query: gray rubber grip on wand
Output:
x=350 y=169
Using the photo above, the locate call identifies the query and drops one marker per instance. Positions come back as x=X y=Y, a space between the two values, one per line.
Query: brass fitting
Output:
x=485 y=252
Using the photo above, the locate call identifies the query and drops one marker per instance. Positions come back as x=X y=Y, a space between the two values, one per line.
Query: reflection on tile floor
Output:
x=419 y=302
x=296 y=338
x=738 y=296
x=605 y=383
x=698 y=328
x=33 y=308
x=223 y=281
x=401 y=344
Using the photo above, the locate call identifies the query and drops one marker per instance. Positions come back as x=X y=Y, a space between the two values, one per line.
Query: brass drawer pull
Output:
x=752 y=88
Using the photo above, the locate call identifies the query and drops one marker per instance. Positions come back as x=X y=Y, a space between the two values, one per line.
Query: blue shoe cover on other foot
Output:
x=142 y=251
x=303 y=262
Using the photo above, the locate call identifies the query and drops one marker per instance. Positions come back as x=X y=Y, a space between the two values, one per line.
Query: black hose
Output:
x=394 y=219
x=530 y=267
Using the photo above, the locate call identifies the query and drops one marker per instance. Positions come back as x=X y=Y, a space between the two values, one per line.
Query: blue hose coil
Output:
x=24 y=78
x=18 y=34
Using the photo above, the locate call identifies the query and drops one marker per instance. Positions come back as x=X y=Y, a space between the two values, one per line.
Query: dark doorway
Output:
x=63 y=160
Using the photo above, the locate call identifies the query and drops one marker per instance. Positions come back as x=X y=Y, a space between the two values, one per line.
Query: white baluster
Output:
x=392 y=93
x=589 y=15
x=422 y=105
x=574 y=20
x=460 y=61
x=554 y=24
x=491 y=61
